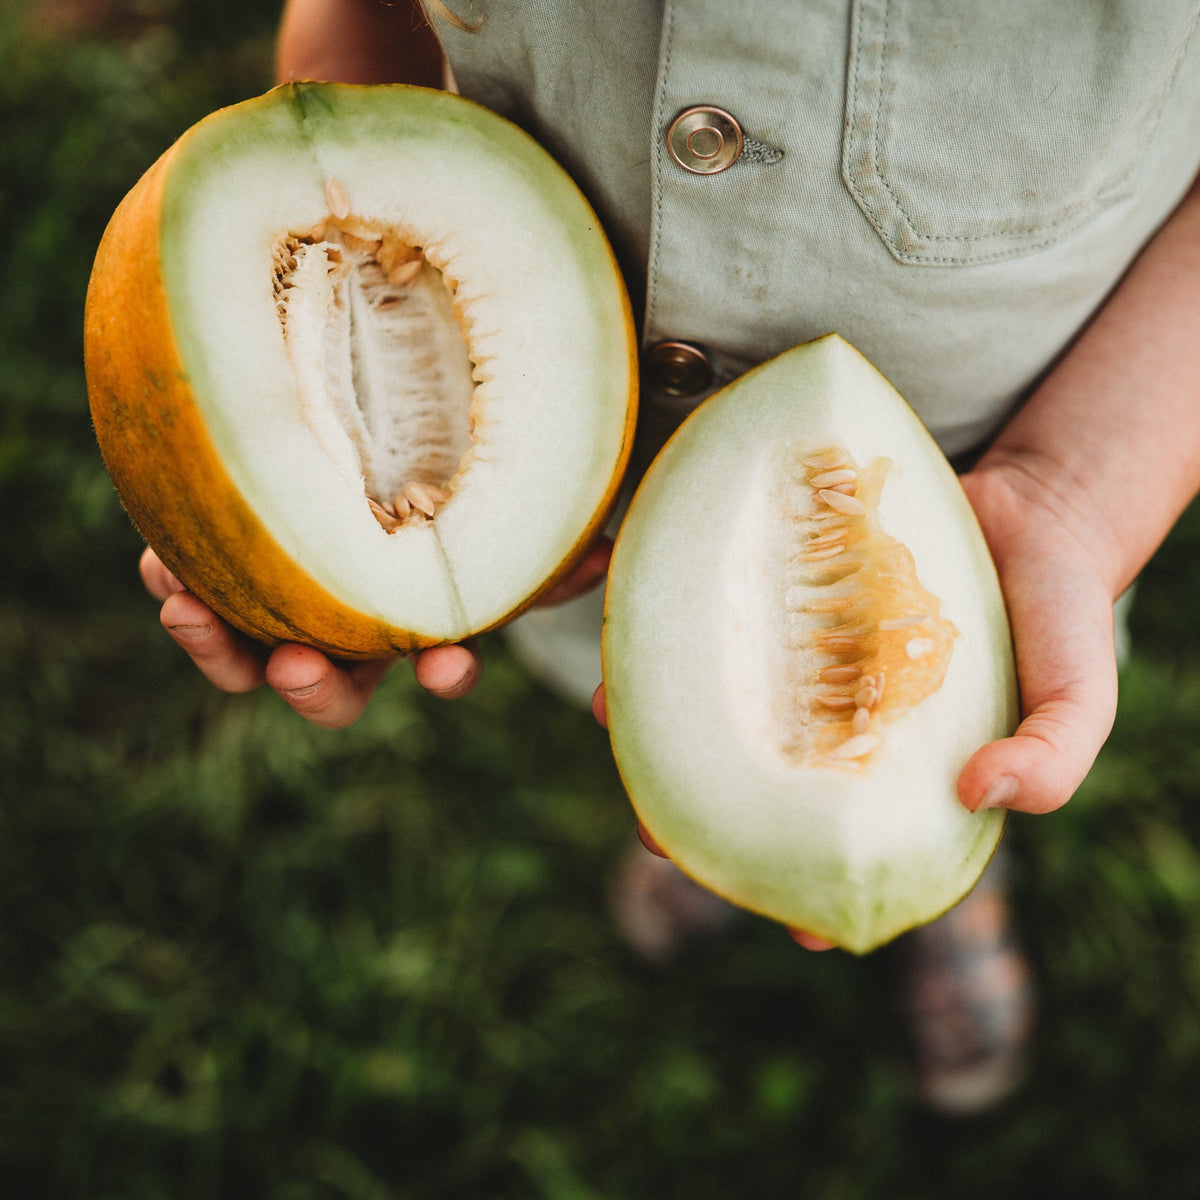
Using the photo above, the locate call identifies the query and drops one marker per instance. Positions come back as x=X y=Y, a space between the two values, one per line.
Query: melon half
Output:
x=361 y=366
x=804 y=641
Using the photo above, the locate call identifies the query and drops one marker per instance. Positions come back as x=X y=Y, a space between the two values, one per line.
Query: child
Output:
x=994 y=203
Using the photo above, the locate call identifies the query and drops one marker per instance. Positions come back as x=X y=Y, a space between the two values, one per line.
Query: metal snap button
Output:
x=678 y=368
x=704 y=140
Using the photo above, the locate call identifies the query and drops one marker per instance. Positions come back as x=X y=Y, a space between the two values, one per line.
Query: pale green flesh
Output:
x=547 y=379
x=859 y=852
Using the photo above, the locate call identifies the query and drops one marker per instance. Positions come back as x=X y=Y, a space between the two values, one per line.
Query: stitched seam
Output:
x=963 y=238
x=916 y=256
x=852 y=102
x=1105 y=198
x=848 y=172
x=656 y=151
x=877 y=119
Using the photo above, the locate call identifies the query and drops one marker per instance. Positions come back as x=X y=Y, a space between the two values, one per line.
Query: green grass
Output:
x=241 y=957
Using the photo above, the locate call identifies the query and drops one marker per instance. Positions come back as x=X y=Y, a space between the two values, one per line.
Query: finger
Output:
x=647 y=840
x=448 y=671
x=226 y=658
x=1066 y=664
x=599 y=707
x=319 y=690
x=160 y=583
x=810 y=941
x=590 y=571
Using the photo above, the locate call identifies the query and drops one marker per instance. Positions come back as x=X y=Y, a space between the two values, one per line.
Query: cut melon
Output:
x=361 y=366
x=804 y=641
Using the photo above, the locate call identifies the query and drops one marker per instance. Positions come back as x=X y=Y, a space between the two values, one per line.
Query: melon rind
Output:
x=854 y=854
x=196 y=414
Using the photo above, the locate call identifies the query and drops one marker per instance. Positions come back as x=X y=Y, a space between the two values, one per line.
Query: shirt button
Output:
x=704 y=140
x=678 y=368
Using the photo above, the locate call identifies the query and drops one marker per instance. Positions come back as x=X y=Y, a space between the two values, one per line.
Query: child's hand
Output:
x=329 y=694
x=1056 y=570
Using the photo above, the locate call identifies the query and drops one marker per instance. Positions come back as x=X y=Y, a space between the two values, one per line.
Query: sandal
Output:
x=658 y=909
x=969 y=999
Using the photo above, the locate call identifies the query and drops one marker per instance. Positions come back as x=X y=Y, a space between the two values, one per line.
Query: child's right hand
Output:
x=330 y=694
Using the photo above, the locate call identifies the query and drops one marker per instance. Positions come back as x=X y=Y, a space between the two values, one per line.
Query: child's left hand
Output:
x=1058 y=579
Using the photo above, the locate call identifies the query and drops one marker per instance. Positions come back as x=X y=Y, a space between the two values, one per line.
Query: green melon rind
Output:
x=855 y=858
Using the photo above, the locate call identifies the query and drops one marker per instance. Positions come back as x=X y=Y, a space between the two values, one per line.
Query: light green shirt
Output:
x=953 y=187
x=960 y=186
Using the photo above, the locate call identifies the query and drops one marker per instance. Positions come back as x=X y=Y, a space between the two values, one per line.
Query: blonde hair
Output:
x=438 y=8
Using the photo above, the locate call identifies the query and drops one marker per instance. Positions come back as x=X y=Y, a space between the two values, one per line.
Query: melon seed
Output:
x=420 y=497
x=395 y=250
x=829 y=550
x=336 y=198
x=842 y=503
x=858 y=746
x=833 y=478
x=838 y=674
x=404 y=273
x=381 y=514
x=903 y=622
x=360 y=245
x=829 y=604
x=841 y=644
x=359 y=230
x=837 y=534
x=825 y=460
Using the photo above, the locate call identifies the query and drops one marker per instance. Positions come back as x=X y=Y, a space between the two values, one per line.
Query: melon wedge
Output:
x=804 y=641
x=361 y=366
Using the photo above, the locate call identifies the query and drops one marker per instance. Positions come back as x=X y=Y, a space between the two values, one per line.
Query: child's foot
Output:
x=970 y=1003
x=658 y=909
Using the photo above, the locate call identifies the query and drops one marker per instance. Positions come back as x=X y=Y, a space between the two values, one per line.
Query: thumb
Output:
x=1066 y=665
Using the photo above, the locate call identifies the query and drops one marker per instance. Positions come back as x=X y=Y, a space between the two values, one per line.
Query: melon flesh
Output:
x=804 y=641
x=322 y=297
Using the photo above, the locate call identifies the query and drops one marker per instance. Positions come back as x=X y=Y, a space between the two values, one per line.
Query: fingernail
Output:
x=301 y=692
x=1002 y=793
x=647 y=840
x=190 y=633
x=810 y=941
x=456 y=689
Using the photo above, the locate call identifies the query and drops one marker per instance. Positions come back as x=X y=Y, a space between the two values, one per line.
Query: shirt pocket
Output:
x=983 y=131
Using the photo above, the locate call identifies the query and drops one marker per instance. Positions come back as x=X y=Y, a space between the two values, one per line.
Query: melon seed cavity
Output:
x=857 y=641
x=382 y=366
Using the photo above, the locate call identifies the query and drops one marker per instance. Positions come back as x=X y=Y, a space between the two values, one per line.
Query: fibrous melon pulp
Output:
x=804 y=641
x=361 y=366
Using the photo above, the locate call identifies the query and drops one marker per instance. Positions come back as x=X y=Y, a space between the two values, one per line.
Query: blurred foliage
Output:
x=240 y=957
